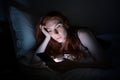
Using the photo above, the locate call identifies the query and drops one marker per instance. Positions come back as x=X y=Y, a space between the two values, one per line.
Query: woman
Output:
x=62 y=43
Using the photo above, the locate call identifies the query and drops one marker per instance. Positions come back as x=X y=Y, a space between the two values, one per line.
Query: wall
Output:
x=98 y=14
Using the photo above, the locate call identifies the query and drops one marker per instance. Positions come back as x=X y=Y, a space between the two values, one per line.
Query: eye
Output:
x=59 y=26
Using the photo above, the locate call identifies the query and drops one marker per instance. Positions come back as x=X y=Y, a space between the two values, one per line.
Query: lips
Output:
x=58 y=38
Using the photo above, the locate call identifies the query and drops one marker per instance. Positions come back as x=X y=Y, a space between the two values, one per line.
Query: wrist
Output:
x=48 y=38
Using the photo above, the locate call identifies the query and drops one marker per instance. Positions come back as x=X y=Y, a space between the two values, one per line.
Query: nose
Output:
x=56 y=31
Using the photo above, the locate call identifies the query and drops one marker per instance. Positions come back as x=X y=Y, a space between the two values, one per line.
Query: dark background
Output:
x=100 y=14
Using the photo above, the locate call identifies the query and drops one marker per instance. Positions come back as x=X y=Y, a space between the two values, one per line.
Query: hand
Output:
x=44 y=31
x=63 y=66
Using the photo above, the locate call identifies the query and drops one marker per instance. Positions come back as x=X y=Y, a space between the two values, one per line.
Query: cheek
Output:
x=64 y=32
x=65 y=35
x=52 y=35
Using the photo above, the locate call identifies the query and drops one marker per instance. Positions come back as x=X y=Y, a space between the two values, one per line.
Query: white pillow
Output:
x=23 y=31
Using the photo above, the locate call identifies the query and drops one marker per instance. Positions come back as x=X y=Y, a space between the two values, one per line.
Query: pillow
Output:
x=23 y=31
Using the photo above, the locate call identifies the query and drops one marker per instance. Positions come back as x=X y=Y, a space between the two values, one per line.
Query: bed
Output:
x=30 y=65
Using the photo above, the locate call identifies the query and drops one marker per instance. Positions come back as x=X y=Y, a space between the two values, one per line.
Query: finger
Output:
x=40 y=26
x=45 y=27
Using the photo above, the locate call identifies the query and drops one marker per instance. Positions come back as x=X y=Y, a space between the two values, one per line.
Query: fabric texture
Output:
x=23 y=31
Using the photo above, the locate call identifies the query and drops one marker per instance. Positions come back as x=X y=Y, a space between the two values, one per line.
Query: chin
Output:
x=59 y=41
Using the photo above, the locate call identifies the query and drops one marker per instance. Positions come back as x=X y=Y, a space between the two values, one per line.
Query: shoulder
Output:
x=86 y=37
x=84 y=33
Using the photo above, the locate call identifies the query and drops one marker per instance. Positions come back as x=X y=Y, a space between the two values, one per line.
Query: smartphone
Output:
x=45 y=57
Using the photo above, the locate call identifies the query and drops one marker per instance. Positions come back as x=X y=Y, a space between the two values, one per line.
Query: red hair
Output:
x=72 y=44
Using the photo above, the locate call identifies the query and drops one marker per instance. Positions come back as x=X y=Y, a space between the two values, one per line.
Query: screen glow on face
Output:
x=57 y=32
x=56 y=28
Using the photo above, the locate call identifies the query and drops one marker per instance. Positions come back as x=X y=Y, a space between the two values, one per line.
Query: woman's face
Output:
x=56 y=30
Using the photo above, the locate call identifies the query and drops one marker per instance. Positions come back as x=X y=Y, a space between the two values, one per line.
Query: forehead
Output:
x=51 y=23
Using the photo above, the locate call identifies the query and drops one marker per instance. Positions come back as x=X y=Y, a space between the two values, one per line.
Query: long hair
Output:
x=72 y=44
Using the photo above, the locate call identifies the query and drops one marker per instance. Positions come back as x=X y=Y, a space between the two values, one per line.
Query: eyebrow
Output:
x=58 y=25
x=55 y=27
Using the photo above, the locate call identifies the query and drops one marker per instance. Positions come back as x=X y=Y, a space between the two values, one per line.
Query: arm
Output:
x=42 y=47
x=89 y=41
x=44 y=44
